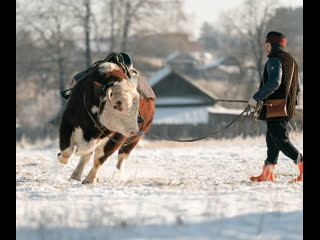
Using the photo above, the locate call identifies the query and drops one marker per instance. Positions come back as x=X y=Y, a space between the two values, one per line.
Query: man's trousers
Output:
x=277 y=138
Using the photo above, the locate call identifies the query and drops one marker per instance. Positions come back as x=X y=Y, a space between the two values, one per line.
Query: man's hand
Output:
x=252 y=102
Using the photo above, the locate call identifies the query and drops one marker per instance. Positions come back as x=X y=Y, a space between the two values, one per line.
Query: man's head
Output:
x=275 y=38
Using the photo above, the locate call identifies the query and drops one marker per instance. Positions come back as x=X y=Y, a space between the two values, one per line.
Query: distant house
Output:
x=179 y=99
x=180 y=105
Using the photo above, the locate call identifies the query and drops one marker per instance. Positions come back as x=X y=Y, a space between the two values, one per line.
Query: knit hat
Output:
x=276 y=38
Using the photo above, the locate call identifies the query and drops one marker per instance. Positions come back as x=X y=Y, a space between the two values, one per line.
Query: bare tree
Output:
x=86 y=24
x=128 y=17
x=48 y=29
x=83 y=18
x=251 y=24
x=128 y=12
x=48 y=23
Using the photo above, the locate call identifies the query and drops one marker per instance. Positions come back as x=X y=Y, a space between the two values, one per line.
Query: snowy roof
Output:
x=165 y=71
x=177 y=57
x=178 y=115
x=157 y=76
x=172 y=56
x=212 y=64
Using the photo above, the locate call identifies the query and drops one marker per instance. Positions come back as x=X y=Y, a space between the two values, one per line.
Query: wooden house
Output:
x=180 y=104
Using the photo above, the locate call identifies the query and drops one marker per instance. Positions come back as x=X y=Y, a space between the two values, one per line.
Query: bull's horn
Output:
x=142 y=94
x=109 y=92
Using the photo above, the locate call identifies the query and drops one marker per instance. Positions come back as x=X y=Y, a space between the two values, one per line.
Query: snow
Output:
x=168 y=190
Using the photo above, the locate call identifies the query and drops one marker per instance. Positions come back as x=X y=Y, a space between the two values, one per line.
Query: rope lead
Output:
x=249 y=113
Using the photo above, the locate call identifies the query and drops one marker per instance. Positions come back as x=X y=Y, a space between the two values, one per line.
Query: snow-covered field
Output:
x=169 y=190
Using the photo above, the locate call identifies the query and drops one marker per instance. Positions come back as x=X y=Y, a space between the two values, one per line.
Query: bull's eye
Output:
x=118 y=106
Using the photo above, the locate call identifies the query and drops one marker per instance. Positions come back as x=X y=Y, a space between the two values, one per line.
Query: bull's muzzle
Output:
x=133 y=132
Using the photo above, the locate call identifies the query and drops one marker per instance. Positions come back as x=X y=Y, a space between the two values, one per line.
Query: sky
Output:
x=209 y=10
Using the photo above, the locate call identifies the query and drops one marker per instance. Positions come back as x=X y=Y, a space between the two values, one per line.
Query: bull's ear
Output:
x=99 y=89
x=142 y=94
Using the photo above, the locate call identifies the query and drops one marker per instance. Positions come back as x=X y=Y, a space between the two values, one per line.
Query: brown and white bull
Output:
x=100 y=115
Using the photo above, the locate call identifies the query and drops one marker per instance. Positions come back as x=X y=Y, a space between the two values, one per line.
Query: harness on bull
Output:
x=114 y=57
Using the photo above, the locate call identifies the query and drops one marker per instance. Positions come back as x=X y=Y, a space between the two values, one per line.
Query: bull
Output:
x=100 y=116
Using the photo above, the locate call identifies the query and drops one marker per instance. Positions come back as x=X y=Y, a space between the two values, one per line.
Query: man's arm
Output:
x=298 y=89
x=274 y=69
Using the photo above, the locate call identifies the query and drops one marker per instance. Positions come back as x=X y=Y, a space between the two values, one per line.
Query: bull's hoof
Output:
x=62 y=159
x=118 y=175
x=75 y=177
x=85 y=181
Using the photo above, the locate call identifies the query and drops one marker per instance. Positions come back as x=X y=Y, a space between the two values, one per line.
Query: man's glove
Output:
x=252 y=102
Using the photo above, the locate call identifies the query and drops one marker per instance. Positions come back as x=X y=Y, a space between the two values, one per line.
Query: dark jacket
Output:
x=274 y=71
x=276 y=80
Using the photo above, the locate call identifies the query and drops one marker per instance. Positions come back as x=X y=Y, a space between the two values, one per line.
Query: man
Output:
x=280 y=79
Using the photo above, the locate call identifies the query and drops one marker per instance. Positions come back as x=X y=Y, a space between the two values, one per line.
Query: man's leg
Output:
x=272 y=150
x=272 y=158
x=280 y=136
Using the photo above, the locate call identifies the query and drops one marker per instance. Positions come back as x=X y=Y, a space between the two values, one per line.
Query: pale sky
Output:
x=209 y=10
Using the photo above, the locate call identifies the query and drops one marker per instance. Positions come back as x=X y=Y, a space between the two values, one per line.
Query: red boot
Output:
x=300 y=178
x=267 y=174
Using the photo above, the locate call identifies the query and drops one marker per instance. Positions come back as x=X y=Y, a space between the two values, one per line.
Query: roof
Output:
x=211 y=64
x=173 y=88
x=172 y=56
x=159 y=75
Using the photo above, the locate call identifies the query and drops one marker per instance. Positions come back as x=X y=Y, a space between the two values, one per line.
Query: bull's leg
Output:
x=65 y=155
x=77 y=173
x=101 y=156
x=66 y=147
x=124 y=152
x=147 y=111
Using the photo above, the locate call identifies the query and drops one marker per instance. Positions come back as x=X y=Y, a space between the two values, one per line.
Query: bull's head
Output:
x=120 y=103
